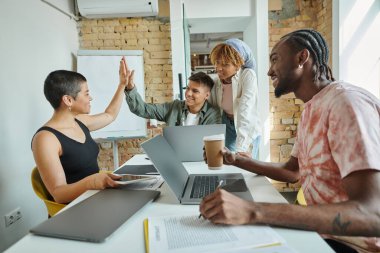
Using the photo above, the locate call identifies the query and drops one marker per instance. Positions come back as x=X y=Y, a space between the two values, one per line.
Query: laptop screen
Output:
x=187 y=141
x=166 y=162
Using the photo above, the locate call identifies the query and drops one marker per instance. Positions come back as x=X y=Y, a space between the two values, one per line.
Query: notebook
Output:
x=187 y=141
x=184 y=185
x=97 y=217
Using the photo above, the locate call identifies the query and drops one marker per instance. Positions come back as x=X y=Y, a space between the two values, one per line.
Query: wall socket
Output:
x=12 y=217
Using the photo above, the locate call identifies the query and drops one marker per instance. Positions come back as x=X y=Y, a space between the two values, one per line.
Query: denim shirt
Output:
x=173 y=113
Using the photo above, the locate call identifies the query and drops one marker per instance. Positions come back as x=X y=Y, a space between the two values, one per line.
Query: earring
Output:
x=70 y=108
x=300 y=66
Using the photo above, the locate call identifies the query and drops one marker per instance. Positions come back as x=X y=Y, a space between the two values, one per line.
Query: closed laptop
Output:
x=97 y=217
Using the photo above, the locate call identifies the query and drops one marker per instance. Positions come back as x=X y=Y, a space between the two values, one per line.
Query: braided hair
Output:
x=317 y=46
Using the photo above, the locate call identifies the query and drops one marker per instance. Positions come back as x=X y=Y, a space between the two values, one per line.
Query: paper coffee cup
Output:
x=214 y=144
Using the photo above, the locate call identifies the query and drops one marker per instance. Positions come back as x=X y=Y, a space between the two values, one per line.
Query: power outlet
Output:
x=12 y=217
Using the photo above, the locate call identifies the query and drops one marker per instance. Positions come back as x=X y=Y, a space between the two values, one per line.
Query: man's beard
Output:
x=279 y=91
x=283 y=87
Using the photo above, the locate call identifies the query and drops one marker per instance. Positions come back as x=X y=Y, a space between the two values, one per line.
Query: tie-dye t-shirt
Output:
x=339 y=133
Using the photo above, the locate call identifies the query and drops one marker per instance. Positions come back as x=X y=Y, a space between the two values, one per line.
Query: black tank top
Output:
x=78 y=160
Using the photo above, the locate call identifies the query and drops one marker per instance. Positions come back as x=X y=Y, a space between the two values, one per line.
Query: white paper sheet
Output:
x=272 y=249
x=132 y=179
x=152 y=184
x=183 y=234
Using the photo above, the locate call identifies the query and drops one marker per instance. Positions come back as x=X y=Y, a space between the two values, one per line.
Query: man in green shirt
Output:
x=194 y=110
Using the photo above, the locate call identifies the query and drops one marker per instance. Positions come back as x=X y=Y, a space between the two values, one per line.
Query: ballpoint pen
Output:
x=219 y=185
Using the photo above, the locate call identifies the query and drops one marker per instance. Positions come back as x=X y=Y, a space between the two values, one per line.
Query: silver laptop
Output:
x=190 y=188
x=96 y=217
x=187 y=141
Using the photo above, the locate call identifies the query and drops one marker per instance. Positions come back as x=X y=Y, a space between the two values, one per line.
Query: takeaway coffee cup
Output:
x=213 y=146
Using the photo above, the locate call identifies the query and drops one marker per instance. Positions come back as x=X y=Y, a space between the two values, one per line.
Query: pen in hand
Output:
x=219 y=185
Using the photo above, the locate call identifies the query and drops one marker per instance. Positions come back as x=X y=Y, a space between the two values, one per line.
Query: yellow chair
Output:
x=301 y=198
x=41 y=191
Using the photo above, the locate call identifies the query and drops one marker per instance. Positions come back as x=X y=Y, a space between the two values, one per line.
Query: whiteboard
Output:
x=101 y=69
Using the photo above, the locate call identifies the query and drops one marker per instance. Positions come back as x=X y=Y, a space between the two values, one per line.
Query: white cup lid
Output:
x=216 y=137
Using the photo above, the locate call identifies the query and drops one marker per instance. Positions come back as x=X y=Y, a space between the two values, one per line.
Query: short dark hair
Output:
x=317 y=46
x=203 y=79
x=60 y=83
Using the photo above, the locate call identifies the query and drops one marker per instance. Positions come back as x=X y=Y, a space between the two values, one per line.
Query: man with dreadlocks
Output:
x=336 y=156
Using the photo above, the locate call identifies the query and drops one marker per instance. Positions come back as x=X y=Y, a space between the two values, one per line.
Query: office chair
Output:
x=41 y=191
x=301 y=198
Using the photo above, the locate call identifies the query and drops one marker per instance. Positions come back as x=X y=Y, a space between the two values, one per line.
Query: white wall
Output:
x=217 y=8
x=35 y=40
x=256 y=36
x=177 y=42
x=356 y=40
x=218 y=16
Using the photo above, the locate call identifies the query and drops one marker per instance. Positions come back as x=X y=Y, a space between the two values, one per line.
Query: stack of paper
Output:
x=185 y=234
x=153 y=183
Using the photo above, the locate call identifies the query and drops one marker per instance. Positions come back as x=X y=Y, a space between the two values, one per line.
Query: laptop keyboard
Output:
x=203 y=185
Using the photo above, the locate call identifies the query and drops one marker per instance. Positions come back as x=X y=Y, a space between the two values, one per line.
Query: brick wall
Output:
x=152 y=35
x=324 y=22
x=285 y=111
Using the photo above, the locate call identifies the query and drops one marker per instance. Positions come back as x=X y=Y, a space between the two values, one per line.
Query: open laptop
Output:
x=187 y=141
x=190 y=188
x=141 y=169
x=96 y=217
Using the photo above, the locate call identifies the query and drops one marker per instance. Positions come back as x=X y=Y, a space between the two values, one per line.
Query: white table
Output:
x=130 y=235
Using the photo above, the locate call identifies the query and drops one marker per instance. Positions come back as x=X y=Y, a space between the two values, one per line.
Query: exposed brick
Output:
x=154 y=28
x=109 y=36
x=109 y=29
x=155 y=48
x=86 y=43
x=287 y=121
x=131 y=42
x=142 y=28
x=280 y=135
x=109 y=43
x=119 y=29
x=154 y=41
x=161 y=55
x=86 y=29
x=90 y=36
x=285 y=108
x=108 y=22
x=278 y=142
x=157 y=67
x=157 y=61
x=97 y=29
x=165 y=28
x=286 y=150
x=89 y=22
x=142 y=42
x=278 y=127
x=98 y=43
x=154 y=73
